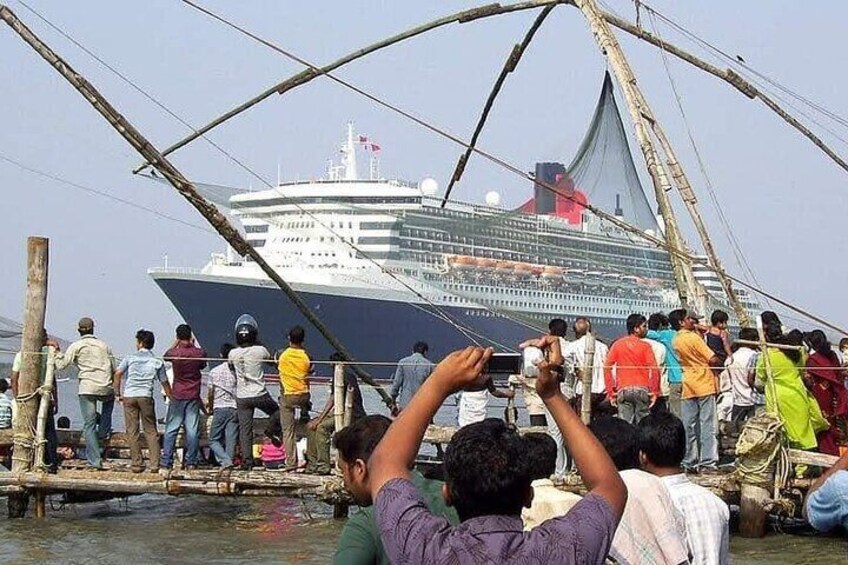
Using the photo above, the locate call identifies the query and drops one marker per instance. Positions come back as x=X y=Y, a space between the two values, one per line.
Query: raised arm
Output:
x=594 y=464
x=396 y=453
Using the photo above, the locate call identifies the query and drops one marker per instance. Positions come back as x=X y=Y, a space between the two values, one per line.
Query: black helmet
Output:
x=246 y=330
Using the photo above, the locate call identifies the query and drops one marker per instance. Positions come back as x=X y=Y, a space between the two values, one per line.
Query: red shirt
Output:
x=187 y=360
x=635 y=366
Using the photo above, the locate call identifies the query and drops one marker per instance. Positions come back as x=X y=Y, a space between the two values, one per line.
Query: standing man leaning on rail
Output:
x=184 y=409
x=411 y=373
x=94 y=361
x=295 y=367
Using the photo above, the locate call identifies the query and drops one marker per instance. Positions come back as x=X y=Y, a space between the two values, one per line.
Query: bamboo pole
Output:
x=307 y=75
x=180 y=183
x=348 y=410
x=609 y=46
x=730 y=77
x=510 y=406
x=28 y=380
x=44 y=408
x=509 y=65
x=338 y=395
x=586 y=375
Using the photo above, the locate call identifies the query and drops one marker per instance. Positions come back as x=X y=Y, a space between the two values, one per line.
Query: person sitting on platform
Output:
x=472 y=406
x=359 y=543
x=662 y=446
x=651 y=530
x=5 y=406
x=272 y=451
x=65 y=452
x=221 y=400
x=826 y=506
x=488 y=481
x=320 y=429
x=294 y=366
x=548 y=501
x=141 y=370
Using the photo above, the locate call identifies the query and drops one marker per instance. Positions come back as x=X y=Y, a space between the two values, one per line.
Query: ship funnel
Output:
x=548 y=173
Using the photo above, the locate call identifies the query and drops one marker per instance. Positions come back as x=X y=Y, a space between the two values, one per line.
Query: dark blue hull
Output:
x=373 y=330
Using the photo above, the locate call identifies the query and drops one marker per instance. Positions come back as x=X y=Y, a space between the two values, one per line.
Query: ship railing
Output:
x=175 y=270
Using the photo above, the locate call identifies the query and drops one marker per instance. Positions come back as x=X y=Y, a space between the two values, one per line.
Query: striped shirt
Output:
x=706 y=517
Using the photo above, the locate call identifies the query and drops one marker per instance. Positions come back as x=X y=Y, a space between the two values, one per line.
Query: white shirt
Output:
x=548 y=502
x=575 y=357
x=472 y=407
x=737 y=371
x=706 y=517
x=93 y=358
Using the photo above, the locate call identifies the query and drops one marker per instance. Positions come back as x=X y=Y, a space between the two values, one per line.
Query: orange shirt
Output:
x=694 y=355
x=635 y=366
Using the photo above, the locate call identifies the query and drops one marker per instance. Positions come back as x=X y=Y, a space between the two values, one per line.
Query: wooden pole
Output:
x=35 y=310
x=586 y=375
x=683 y=278
x=309 y=74
x=348 y=411
x=510 y=406
x=44 y=408
x=338 y=395
x=215 y=218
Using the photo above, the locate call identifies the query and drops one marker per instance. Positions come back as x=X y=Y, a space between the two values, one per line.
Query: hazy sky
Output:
x=785 y=200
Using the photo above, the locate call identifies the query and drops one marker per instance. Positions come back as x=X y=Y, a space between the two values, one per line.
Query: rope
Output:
x=758 y=446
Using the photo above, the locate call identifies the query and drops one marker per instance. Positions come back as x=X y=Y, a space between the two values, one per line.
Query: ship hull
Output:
x=374 y=330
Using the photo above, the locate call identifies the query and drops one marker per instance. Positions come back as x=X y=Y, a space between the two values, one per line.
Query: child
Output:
x=5 y=406
x=717 y=338
x=272 y=451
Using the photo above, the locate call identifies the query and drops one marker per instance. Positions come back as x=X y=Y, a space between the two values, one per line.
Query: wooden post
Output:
x=44 y=408
x=510 y=406
x=586 y=374
x=34 y=314
x=338 y=395
x=348 y=410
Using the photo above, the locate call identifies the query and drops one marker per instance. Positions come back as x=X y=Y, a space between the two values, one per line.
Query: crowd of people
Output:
x=657 y=394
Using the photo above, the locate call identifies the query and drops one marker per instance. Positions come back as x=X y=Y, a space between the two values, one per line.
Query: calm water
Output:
x=159 y=529
x=156 y=529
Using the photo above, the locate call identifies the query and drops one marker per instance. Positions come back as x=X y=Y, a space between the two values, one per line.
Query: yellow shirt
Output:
x=294 y=371
x=694 y=355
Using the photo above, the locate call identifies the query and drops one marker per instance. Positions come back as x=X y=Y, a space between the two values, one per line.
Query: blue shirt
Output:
x=827 y=507
x=672 y=363
x=140 y=370
x=411 y=373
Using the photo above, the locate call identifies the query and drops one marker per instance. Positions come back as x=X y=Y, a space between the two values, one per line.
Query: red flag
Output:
x=375 y=147
x=363 y=139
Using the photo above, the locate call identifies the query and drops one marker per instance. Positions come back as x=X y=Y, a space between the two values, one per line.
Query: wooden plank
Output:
x=798 y=456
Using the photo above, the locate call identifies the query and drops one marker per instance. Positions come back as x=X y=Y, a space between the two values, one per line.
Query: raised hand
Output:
x=463 y=369
x=547 y=383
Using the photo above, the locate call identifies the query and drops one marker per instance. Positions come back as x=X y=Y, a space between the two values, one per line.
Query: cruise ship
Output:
x=386 y=263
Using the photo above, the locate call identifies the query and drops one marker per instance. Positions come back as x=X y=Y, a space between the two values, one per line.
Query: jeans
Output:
x=95 y=433
x=246 y=407
x=288 y=402
x=182 y=413
x=563 y=460
x=674 y=398
x=225 y=427
x=318 y=447
x=633 y=403
x=699 y=420
x=142 y=409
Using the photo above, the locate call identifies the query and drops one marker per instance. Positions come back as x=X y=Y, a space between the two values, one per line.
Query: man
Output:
x=700 y=387
x=575 y=357
x=526 y=382
x=187 y=360
x=248 y=361
x=142 y=370
x=745 y=397
x=95 y=366
x=488 y=481
x=662 y=445
x=548 y=501
x=826 y=506
x=51 y=457
x=359 y=543
x=663 y=329
x=294 y=366
x=320 y=429
x=411 y=372
x=661 y=356
x=635 y=385
x=651 y=530
x=472 y=406
x=221 y=402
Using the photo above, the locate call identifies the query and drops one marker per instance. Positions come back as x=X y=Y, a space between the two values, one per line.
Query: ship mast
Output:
x=643 y=118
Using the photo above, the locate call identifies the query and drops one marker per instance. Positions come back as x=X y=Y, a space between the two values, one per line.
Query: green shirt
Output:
x=359 y=543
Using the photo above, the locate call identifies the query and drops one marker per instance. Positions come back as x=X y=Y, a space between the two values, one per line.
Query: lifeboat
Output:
x=523 y=269
x=552 y=273
x=537 y=270
x=487 y=264
x=462 y=262
x=504 y=267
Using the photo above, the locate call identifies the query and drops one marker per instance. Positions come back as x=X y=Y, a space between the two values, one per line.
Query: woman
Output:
x=786 y=395
x=826 y=380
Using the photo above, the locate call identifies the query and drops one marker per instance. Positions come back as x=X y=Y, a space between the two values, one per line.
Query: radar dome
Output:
x=429 y=186
x=493 y=199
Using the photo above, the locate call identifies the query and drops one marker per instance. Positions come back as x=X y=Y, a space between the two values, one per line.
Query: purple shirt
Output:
x=412 y=534
x=187 y=361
